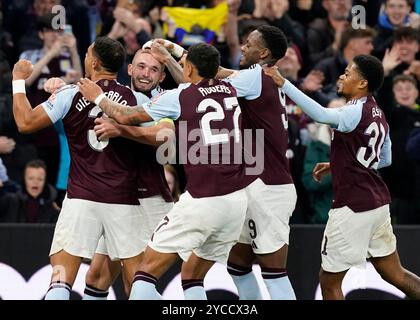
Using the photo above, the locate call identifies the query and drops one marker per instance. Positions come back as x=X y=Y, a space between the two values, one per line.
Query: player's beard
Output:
x=141 y=88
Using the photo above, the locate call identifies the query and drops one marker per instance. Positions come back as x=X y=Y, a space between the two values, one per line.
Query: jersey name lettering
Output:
x=218 y=88
x=376 y=112
x=112 y=95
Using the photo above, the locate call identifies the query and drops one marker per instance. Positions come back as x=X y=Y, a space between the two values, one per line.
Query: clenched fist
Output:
x=89 y=89
x=22 y=70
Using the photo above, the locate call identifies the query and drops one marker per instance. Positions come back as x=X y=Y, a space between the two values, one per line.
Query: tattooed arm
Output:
x=122 y=114
x=165 y=105
x=154 y=135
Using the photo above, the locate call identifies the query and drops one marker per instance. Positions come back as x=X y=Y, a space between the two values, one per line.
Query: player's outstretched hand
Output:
x=106 y=128
x=22 y=69
x=89 y=89
x=320 y=170
x=274 y=73
x=53 y=84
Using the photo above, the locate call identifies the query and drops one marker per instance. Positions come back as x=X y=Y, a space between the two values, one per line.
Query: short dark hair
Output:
x=406 y=33
x=371 y=69
x=37 y=163
x=404 y=78
x=110 y=52
x=351 y=33
x=205 y=58
x=45 y=22
x=274 y=40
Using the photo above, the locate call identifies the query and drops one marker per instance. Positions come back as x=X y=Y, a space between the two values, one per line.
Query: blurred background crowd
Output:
x=34 y=168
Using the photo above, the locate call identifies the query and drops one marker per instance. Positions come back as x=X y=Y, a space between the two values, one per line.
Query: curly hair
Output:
x=274 y=40
x=371 y=69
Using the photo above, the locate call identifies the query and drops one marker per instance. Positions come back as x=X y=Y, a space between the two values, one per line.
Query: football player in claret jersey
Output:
x=154 y=194
x=272 y=198
x=102 y=196
x=207 y=220
x=359 y=225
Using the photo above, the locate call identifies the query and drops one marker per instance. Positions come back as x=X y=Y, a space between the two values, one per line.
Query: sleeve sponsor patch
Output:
x=49 y=104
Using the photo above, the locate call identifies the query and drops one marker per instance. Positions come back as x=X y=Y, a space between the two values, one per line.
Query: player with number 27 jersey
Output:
x=211 y=110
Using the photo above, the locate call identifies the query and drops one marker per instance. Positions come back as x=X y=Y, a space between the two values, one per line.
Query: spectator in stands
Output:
x=302 y=11
x=320 y=193
x=21 y=21
x=324 y=35
x=353 y=42
x=57 y=58
x=273 y=12
x=23 y=150
x=290 y=65
x=395 y=14
x=133 y=30
x=6 y=185
x=401 y=58
x=413 y=144
x=276 y=13
x=403 y=114
x=35 y=204
x=6 y=43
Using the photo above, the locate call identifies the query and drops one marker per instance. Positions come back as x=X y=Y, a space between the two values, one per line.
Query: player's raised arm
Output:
x=122 y=114
x=53 y=84
x=308 y=105
x=161 y=51
x=27 y=119
x=224 y=73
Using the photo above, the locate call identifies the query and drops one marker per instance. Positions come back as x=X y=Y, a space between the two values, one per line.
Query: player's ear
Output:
x=96 y=65
x=130 y=69
x=363 y=84
x=162 y=76
x=188 y=69
x=264 y=53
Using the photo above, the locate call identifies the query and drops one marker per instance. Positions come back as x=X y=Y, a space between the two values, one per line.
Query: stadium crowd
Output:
x=322 y=40
x=332 y=83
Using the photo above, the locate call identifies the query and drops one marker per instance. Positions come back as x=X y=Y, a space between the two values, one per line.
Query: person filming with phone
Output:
x=57 y=58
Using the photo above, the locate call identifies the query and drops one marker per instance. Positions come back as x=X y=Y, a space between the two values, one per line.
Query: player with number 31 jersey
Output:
x=359 y=224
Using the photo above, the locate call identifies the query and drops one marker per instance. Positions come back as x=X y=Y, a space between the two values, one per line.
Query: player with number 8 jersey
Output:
x=102 y=197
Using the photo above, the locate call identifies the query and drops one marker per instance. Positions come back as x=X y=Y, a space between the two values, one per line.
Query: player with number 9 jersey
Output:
x=272 y=197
